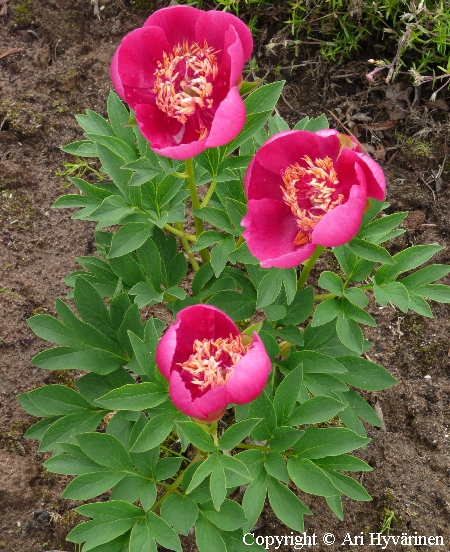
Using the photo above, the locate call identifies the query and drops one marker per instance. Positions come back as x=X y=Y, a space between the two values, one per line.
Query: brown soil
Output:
x=54 y=60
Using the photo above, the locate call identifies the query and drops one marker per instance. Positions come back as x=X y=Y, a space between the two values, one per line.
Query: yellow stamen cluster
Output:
x=212 y=362
x=184 y=81
x=314 y=184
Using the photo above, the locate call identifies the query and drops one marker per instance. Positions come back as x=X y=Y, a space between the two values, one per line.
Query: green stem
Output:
x=240 y=241
x=307 y=266
x=256 y=447
x=173 y=487
x=198 y=222
x=180 y=233
x=187 y=247
x=11 y=293
x=324 y=296
x=209 y=194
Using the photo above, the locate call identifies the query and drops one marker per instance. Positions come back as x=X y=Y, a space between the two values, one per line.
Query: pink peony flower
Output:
x=306 y=189
x=180 y=72
x=208 y=366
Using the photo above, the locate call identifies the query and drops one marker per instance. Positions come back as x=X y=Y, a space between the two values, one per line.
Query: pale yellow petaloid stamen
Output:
x=180 y=97
x=314 y=184
x=212 y=362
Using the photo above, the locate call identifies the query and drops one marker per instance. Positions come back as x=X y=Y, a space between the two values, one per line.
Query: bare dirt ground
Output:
x=54 y=63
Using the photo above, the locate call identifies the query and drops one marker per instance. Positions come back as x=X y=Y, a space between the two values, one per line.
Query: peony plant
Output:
x=245 y=388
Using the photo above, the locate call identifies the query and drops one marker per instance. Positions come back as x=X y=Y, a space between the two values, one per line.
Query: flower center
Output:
x=310 y=192
x=212 y=362
x=184 y=80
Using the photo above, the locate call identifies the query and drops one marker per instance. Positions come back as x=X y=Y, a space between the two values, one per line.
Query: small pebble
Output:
x=427 y=377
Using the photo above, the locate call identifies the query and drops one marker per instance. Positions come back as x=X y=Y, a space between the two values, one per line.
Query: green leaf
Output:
x=349 y=486
x=331 y=282
x=310 y=478
x=237 y=433
x=236 y=211
x=395 y=292
x=56 y=400
x=318 y=363
x=207 y=536
x=167 y=468
x=275 y=465
x=37 y=430
x=74 y=463
x=81 y=148
x=217 y=218
x=287 y=393
x=435 y=292
x=90 y=485
x=330 y=441
x=269 y=287
x=106 y=450
x=218 y=484
x=342 y=462
x=365 y=374
x=370 y=251
x=180 y=512
x=406 y=260
x=262 y=407
x=335 y=504
x=112 y=165
x=92 y=309
x=283 y=438
x=290 y=283
x=130 y=237
x=141 y=539
x=300 y=308
x=230 y=517
x=419 y=305
x=201 y=472
x=134 y=397
x=313 y=125
x=326 y=311
x=67 y=358
x=162 y=532
x=197 y=435
x=238 y=306
x=350 y=310
x=154 y=433
x=64 y=429
x=253 y=501
x=315 y=411
x=286 y=506
x=119 y=116
x=350 y=333
x=219 y=254
x=357 y=297
x=93 y=123
x=382 y=225
x=145 y=294
x=291 y=334
x=425 y=276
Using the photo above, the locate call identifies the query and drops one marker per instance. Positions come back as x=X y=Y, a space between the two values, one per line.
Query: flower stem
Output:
x=240 y=241
x=209 y=194
x=307 y=266
x=187 y=247
x=179 y=232
x=198 y=222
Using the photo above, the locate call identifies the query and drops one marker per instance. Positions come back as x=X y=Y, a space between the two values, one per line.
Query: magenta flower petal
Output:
x=341 y=224
x=228 y=121
x=306 y=189
x=250 y=374
x=200 y=354
x=177 y=71
x=174 y=19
